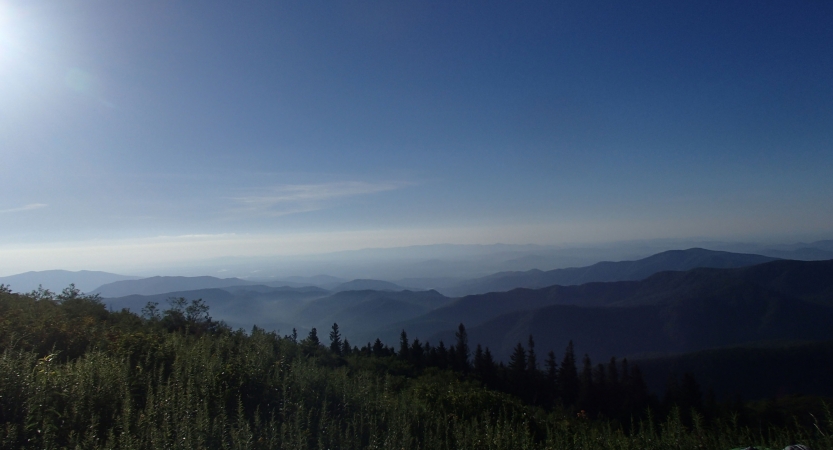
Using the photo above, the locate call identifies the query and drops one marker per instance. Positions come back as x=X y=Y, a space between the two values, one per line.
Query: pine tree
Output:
x=518 y=361
x=462 y=349
x=442 y=356
x=586 y=394
x=551 y=366
x=311 y=343
x=378 y=348
x=568 y=384
x=345 y=348
x=417 y=354
x=531 y=360
x=403 y=345
x=335 y=340
x=489 y=367
x=550 y=378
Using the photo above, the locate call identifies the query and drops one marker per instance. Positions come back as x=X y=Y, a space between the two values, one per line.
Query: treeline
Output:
x=74 y=375
x=612 y=390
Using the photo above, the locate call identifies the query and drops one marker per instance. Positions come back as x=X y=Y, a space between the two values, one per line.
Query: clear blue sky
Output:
x=153 y=130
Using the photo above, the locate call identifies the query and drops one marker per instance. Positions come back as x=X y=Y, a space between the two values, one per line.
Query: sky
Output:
x=159 y=131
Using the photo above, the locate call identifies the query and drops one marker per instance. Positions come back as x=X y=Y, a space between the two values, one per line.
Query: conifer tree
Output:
x=403 y=345
x=335 y=340
x=586 y=394
x=568 y=384
x=478 y=360
x=518 y=362
x=551 y=367
x=378 y=348
x=550 y=377
x=490 y=369
x=311 y=343
x=345 y=348
x=417 y=354
x=531 y=360
x=601 y=389
x=462 y=349
x=442 y=356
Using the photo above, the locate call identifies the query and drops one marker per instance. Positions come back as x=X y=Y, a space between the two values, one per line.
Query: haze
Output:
x=146 y=134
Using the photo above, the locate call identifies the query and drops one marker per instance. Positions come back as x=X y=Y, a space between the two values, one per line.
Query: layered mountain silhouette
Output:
x=365 y=285
x=667 y=312
x=284 y=308
x=56 y=280
x=607 y=271
x=161 y=285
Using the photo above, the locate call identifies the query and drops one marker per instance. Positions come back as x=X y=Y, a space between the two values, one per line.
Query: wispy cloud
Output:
x=28 y=207
x=298 y=198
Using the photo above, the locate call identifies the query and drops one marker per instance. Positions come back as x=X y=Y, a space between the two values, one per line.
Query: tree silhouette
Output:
x=462 y=349
x=568 y=384
x=403 y=345
x=335 y=340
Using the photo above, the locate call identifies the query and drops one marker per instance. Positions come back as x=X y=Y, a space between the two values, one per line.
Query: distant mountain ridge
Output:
x=284 y=308
x=667 y=312
x=56 y=280
x=162 y=285
x=366 y=284
x=608 y=271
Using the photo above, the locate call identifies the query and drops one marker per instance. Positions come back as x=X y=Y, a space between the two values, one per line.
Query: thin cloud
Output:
x=28 y=207
x=299 y=198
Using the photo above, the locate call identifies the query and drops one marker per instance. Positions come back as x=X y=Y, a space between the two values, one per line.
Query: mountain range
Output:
x=607 y=271
x=57 y=280
x=667 y=312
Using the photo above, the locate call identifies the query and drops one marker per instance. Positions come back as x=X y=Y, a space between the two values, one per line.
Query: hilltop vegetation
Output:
x=78 y=375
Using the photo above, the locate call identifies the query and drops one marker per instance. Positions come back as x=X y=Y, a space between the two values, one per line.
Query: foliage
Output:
x=75 y=375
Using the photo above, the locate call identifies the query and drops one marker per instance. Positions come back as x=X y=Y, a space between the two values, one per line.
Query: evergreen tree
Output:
x=478 y=360
x=417 y=354
x=403 y=346
x=551 y=366
x=335 y=340
x=531 y=360
x=311 y=343
x=586 y=394
x=442 y=356
x=378 y=348
x=345 y=348
x=550 y=378
x=453 y=362
x=462 y=349
x=601 y=390
x=518 y=362
x=568 y=384
x=489 y=368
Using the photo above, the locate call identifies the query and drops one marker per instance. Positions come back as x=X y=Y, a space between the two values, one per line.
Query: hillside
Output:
x=284 y=308
x=669 y=311
x=676 y=260
x=79 y=376
x=787 y=369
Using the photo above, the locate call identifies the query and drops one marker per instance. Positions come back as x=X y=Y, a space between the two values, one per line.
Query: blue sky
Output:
x=160 y=130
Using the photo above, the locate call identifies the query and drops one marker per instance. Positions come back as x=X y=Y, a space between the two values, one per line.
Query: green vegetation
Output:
x=74 y=375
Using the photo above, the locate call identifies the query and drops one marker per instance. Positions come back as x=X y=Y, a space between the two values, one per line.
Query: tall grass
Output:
x=259 y=391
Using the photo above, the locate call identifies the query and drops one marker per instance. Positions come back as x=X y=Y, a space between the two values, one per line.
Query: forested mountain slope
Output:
x=675 y=260
x=670 y=311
